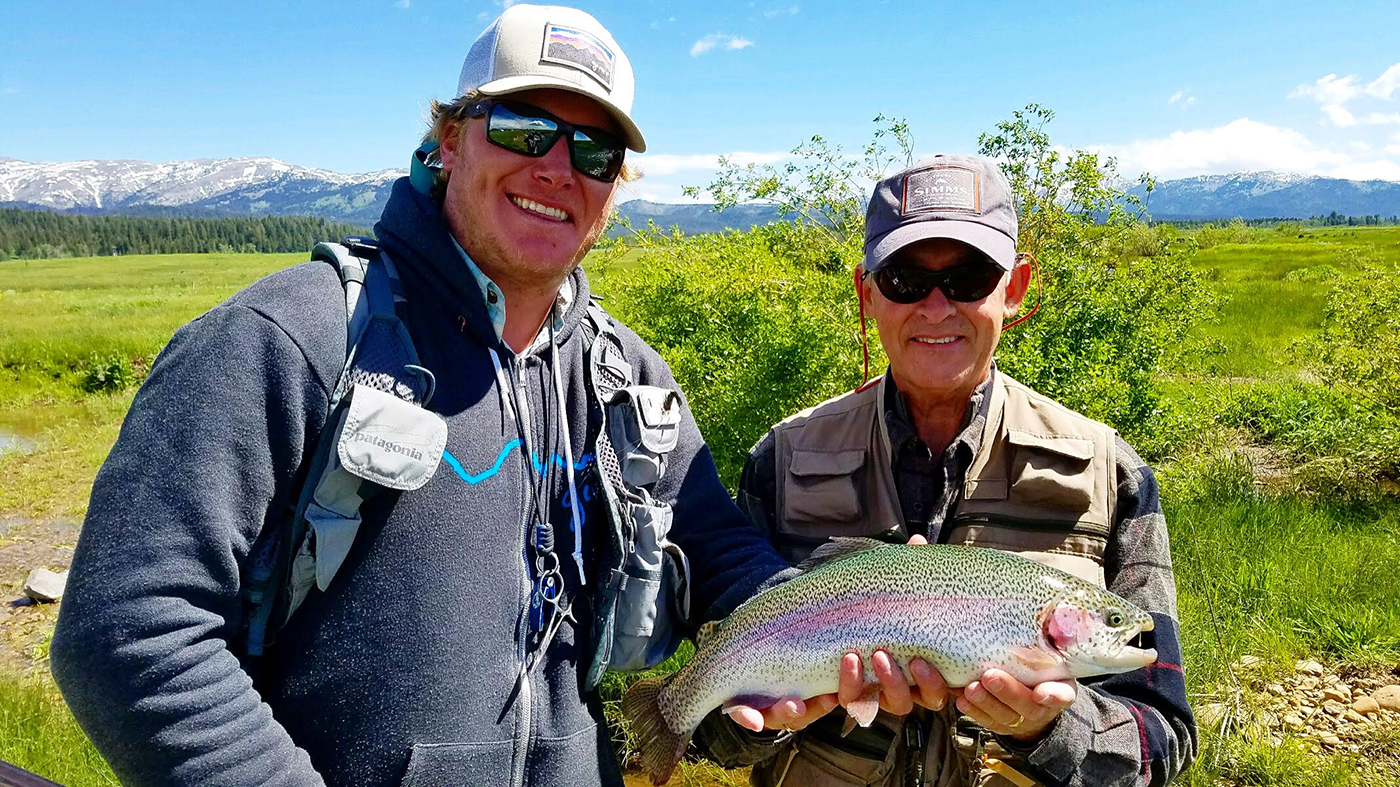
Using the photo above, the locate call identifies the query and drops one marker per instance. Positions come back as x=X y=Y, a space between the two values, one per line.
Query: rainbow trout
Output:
x=961 y=609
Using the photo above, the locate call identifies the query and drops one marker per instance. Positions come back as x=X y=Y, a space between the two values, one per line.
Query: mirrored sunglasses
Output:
x=531 y=131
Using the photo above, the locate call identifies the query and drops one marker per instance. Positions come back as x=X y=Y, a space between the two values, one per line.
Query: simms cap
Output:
x=535 y=46
x=964 y=198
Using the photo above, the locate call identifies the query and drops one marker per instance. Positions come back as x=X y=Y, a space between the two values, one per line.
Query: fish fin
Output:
x=702 y=637
x=756 y=701
x=836 y=549
x=1035 y=658
x=661 y=747
x=864 y=708
x=848 y=725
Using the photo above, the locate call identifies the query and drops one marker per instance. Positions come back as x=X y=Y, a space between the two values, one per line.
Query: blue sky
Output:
x=1178 y=89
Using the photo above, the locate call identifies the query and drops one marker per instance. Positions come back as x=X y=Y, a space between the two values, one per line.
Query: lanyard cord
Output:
x=575 y=519
x=548 y=607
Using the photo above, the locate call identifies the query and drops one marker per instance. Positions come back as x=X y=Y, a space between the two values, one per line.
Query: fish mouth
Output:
x=1130 y=658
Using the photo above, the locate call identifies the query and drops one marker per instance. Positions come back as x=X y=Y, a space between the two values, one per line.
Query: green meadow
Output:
x=1276 y=286
x=1264 y=567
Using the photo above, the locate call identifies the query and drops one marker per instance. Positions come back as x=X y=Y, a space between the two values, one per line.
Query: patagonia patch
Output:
x=941 y=189
x=569 y=46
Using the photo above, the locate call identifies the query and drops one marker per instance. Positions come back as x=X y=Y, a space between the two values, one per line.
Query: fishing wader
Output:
x=1042 y=485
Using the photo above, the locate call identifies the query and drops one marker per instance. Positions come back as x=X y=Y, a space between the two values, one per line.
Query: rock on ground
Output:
x=45 y=586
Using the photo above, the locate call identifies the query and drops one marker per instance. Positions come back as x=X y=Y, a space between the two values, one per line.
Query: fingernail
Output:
x=994 y=682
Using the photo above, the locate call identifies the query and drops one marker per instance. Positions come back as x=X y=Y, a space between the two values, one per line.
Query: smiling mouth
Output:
x=944 y=340
x=538 y=209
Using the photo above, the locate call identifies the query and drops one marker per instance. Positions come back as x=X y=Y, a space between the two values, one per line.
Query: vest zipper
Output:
x=1044 y=525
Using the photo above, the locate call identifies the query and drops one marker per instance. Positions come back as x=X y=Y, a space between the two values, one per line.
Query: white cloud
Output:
x=1338 y=115
x=791 y=10
x=1183 y=97
x=1378 y=119
x=1386 y=84
x=1329 y=90
x=404 y=3
x=11 y=91
x=1243 y=144
x=1332 y=93
x=722 y=40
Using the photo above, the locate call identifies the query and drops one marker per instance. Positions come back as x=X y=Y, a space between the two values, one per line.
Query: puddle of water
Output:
x=9 y=441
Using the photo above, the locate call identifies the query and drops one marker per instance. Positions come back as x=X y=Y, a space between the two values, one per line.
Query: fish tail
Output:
x=661 y=747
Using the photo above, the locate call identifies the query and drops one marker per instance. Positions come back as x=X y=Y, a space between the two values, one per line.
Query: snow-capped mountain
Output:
x=1261 y=195
x=262 y=186
x=229 y=187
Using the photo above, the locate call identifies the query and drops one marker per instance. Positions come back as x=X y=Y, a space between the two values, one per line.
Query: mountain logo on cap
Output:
x=569 y=46
x=941 y=189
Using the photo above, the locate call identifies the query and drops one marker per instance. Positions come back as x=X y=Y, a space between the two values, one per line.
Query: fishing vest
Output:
x=380 y=435
x=1042 y=484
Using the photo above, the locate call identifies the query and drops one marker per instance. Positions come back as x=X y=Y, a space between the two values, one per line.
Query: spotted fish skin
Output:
x=961 y=609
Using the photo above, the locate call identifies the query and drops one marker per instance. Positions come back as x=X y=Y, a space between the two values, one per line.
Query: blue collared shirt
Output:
x=496 y=302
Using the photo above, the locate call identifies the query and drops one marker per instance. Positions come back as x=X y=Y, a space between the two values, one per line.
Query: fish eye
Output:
x=1115 y=618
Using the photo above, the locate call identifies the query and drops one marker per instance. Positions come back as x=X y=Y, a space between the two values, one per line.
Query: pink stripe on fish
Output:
x=809 y=619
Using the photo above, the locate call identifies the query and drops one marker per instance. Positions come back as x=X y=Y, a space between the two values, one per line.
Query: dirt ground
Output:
x=27 y=544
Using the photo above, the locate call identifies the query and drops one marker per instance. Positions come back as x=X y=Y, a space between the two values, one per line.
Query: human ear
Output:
x=450 y=146
x=862 y=289
x=1018 y=285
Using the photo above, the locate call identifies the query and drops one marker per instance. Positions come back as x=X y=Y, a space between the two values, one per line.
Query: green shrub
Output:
x=1339 y=443
x=1211 y=235
x=110 y=374
x=1358 y=348
x=753 y=331
x=1108 y=324
x=760 y=324
x=1317 y=273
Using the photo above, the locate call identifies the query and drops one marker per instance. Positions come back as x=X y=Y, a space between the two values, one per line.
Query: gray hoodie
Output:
x=404 y=670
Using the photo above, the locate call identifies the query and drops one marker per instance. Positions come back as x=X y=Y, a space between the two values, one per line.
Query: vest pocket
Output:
x=822 y=487
x=865 y=757
x=1051 y=470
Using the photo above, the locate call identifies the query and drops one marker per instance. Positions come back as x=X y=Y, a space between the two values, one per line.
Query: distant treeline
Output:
x=1333 y=219
x=33 y=234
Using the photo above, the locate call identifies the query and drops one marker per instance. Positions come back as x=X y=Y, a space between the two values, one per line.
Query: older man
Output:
x=944 y=447
x=447 y=633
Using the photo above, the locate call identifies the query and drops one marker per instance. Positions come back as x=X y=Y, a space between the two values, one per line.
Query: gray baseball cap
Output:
x=963 y=198
x=534 y=46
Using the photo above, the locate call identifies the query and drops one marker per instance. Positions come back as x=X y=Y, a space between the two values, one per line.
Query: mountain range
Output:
x=263 y=186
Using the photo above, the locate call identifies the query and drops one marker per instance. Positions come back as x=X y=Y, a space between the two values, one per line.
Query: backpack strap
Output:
x=308 y=546
x=640 y=590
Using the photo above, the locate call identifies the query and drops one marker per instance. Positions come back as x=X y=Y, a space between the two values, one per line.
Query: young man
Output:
x=946 y=448
x=451 y=645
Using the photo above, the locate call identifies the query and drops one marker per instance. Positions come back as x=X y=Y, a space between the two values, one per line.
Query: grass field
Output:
x=1274 y=575
x=1276 y=288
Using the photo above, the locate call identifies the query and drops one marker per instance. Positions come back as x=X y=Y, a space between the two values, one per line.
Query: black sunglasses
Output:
x=531 y=131
x=968 y=282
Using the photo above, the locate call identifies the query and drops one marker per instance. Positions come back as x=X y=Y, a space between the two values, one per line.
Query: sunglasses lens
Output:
x=904 y=285
x=596 y=155
x=515 y=130
x=972 y=282
x=965 y=283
